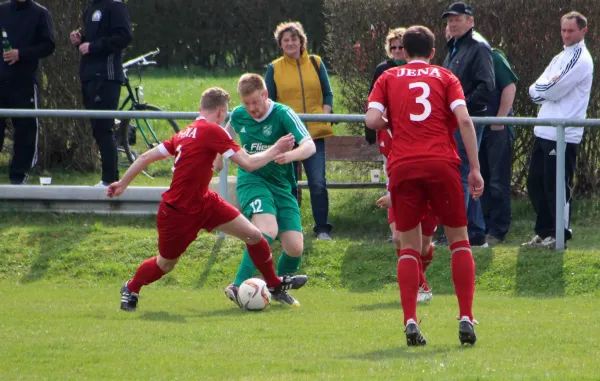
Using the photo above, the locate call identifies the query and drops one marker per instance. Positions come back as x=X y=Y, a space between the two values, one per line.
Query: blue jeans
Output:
x=495 y=156
x=314 y=167
x=476 y=225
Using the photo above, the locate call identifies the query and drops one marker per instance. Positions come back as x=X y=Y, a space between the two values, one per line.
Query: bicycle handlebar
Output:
x=141 y=60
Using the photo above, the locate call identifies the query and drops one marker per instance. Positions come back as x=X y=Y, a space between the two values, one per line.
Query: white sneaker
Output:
x=535 y=242
x=101 y=184
x=549 y=243
x=424 y=296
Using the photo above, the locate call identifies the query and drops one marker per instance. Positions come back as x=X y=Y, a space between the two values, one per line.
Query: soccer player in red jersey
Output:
x=189 y=205
x=424 y=104
x=428 y=223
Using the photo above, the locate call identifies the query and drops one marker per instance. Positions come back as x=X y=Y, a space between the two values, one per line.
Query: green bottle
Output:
x=5 y=43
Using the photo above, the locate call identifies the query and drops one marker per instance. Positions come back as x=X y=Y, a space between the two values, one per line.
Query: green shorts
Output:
x=261 y=197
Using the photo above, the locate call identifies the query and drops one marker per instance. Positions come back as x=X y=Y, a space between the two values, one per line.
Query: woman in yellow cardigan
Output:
x=300 y=81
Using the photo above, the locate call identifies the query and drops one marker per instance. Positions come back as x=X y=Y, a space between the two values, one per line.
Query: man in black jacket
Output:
x=106 y=32
x=470 y=59
x=27 y=36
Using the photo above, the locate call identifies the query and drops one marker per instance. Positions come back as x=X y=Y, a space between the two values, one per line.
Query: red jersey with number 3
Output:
x=420 y=99
x=195 y=150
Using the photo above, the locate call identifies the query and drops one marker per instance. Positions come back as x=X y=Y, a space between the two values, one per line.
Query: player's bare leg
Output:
x=408 y=281
x=463 y=276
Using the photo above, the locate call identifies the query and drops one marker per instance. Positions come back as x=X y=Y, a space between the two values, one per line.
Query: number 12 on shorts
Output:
x=256 y=206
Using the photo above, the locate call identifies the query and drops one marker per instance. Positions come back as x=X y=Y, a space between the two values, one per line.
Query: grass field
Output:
x=60 y=276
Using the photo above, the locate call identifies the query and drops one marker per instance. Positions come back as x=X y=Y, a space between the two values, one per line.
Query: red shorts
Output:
x=435 y=182
x=177 y=229
x=429 y=222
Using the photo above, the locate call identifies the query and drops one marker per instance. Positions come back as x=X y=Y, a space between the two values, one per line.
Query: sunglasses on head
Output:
x=396 y=47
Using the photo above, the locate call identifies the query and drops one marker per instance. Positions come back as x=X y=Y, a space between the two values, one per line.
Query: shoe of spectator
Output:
x=493 y=241
x=478 y=243
x=324 y=236
x=101 y=184
x=535 y=242
x=20 y=182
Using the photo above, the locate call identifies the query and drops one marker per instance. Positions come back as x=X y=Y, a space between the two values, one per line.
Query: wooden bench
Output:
x=345 y=148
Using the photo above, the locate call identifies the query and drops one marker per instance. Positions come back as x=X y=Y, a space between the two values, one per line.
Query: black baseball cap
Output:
x=458 y=9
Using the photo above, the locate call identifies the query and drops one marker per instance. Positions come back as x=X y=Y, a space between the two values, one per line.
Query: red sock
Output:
x=463 y=276
x=408 y=280
x=427 y=258
x=147 y=273
x=422 y=281
x=263 y=260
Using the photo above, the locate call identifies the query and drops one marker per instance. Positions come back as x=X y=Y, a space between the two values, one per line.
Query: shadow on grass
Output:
x=56 y=248
x=439 y=273
x=210 y=263
x=368 y=267
x=399 y=352
x=234 y=311
x=378 y=306
x=540 y=273
x=162 y=316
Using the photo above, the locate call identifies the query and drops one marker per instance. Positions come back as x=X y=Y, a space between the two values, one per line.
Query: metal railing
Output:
x=560 y=124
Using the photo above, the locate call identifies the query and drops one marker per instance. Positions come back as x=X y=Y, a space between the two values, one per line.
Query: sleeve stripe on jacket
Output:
x=570 y=65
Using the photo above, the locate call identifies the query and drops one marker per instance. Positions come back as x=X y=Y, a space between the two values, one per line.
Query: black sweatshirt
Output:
x=28 y=26
x=107 y=28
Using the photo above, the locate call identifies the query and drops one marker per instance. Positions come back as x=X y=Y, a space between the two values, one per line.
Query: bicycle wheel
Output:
x=141 y=135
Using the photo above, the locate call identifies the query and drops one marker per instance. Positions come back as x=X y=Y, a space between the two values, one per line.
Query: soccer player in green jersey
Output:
x=265 y=195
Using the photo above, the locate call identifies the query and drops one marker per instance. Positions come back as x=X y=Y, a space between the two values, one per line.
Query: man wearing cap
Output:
x=470 y=59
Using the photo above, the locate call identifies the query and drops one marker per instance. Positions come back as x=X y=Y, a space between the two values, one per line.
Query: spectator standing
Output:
x=395 y=53
x=563 y=91
x=106 y=33
x=300 y=81
x=495 y=154
x=470 y=59
x=27 y=35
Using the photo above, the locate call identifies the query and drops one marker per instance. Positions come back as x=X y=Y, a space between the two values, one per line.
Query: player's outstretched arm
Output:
x=117 y=188
x=305 y=150
x=374 y=119
x=253 y=162
x=467 y=132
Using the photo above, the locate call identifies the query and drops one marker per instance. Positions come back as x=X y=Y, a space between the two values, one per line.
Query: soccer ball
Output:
x=254 y=295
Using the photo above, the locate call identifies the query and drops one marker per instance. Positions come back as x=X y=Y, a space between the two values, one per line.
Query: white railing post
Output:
x=560 y=187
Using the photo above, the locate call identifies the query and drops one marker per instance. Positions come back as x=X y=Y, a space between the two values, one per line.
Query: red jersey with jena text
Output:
x=420 y=99
x=195 y=149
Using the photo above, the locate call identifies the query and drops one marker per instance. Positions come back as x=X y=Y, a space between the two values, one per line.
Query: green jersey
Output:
x=258 y=135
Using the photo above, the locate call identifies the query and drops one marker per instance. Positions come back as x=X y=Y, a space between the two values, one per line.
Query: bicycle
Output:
x=152 y=133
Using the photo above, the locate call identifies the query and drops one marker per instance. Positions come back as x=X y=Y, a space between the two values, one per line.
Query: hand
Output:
x=285 y=143
x=284 y=158
x=115 y=189
x=84 y=48
x=496 y=128
x=326 y=109
x=475 y=182
x=75 y=37
x=384 y=202
x=11 y=57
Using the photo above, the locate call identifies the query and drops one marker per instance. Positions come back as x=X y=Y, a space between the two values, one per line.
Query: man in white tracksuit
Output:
x=564 y=92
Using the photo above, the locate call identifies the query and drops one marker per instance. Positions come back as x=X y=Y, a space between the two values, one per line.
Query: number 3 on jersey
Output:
x=421 y=100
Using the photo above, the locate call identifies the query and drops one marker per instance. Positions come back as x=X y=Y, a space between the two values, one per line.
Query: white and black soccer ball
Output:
x=254 y=295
